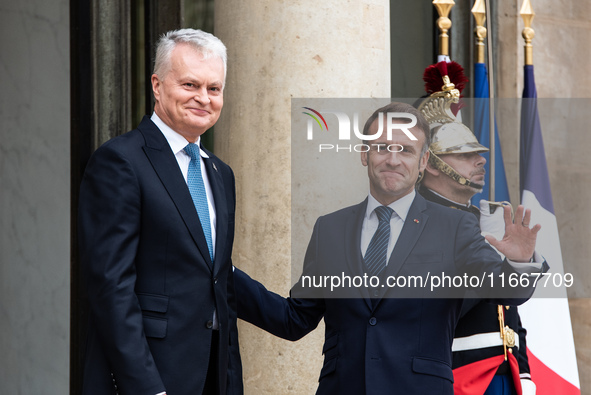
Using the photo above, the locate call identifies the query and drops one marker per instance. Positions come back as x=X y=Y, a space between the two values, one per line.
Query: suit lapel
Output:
x=413 y=226
x=164 y=162
x=219 y=197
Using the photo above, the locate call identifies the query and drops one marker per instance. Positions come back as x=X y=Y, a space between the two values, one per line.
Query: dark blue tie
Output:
x=197 y=189
x=377 y=251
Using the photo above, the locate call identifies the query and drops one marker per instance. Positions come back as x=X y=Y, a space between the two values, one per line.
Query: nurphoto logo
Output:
x=345 y=127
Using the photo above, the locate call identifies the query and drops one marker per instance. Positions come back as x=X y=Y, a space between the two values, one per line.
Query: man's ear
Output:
x=364 y=158
x=155 y=86
x=424 y=161
x=431 y=170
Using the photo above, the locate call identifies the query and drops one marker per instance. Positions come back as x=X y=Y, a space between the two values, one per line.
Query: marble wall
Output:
x=34 y=197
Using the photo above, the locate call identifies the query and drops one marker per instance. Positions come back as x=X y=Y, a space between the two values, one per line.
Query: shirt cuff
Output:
x=534 y=266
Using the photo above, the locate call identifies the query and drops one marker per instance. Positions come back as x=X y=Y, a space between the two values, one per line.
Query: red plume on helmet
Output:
x=433 y=77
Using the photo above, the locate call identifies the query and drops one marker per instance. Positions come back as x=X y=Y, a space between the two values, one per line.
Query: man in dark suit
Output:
x=156 y=223
x=376 y=343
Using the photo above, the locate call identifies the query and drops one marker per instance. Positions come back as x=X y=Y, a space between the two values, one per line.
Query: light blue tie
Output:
x=197 y=190
x=377 y=251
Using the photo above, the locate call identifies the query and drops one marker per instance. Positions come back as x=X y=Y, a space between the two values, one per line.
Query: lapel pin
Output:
x=416 y=221
x=215 y=167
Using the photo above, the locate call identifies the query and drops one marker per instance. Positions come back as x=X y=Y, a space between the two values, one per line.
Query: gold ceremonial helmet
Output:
x=448 y=134
x=454 y=138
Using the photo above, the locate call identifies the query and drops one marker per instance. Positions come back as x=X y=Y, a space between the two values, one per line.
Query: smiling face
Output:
x=393 y=175
x=189 y=96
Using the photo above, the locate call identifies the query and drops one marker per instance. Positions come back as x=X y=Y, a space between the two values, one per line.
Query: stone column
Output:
x=278 y=51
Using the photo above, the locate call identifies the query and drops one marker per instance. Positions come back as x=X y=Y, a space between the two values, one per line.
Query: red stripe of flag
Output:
x=548 y=382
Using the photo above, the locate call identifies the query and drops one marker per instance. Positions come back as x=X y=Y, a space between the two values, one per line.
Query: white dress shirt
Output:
x=177 y=144
x=371 y=222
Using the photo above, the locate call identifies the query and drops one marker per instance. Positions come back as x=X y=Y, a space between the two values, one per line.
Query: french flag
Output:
x=550 y=344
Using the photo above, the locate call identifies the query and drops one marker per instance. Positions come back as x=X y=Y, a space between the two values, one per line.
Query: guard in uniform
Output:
x=489 y=349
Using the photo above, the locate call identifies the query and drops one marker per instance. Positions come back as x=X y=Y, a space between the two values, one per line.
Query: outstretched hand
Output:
x=519 y=242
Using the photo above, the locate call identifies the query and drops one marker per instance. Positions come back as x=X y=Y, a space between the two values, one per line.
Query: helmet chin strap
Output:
x=439 y=164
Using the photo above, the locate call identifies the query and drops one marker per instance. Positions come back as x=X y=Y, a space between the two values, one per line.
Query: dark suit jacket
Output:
x=151 y=284
x=388 y=345
x=479 y=316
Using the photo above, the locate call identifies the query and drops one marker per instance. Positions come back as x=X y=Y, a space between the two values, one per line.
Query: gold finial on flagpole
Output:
x=527 y=14
x=479 y=12
x=444 y=24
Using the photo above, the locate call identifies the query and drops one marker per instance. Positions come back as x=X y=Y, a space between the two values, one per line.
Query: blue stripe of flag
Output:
x=481 y=130
x=533 y=171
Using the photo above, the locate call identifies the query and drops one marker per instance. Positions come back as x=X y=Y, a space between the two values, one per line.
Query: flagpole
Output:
x=527 y=14
x=444 y=24
x=479 y=12
x=491 y=105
